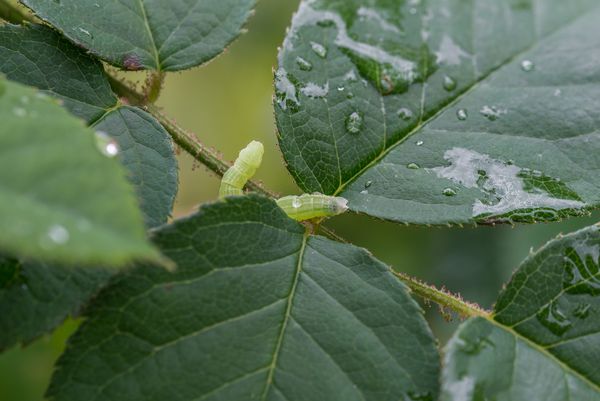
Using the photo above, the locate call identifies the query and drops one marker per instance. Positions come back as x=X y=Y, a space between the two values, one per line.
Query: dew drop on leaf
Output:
x=554 y=319
x=527 y=65
x=449 y=83
x=405 y=114
x=419 y=143
x=413 y=166
x=491 y=112
x=354 y=123
x=319 y=49
x=106 y=145
x=368 y=184
x=449 y=192
x=462 y=114
x=303 y=64
x=58 y=234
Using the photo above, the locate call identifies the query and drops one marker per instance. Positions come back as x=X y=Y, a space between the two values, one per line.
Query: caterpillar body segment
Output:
x=244 y=168
x=310 y=206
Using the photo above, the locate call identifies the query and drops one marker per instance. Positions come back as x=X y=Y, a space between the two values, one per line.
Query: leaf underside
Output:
x=444 y=111
x=257 y=310
x=35 y=297
x=148 y=34
x=544 y=338
x=38 y=56
x=71 y=206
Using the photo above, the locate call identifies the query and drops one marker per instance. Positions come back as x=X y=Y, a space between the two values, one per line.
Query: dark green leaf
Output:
x=147 y=153
x=544 y=340
x=437 y=112
x=61 y=199
x=256 y=310
x=35 y=298
x=38 y=56
x=148 y=34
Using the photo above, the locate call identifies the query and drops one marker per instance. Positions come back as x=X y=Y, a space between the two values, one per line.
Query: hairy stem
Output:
x=153 y=86
x=442 y=297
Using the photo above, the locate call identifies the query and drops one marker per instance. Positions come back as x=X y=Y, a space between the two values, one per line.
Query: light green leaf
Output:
x=35 y=297
x=61 y=199
x=444 y=111
x=38 y=56
x=544 y=340
x=257 y=310
x=148 y=34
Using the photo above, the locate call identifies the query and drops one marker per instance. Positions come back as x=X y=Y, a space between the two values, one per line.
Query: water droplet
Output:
x=58 y=234
x=491 y=112
x=19 y=112
x=349 y=95
x=107 y=145
x=449 y=192
x=413 y=166
x=553 y=319
x=462 y=114
x=296 y=203
x=303 y=64
x=582 y=311
x=364 y=192
x=354 y=123
x=449 y=83
x=340 y=88
x=319 y=49
x=527 y=65
x=85 y=32
x=419 y=143
x=419 y=396
x=557 y=92
x=405 y=114
x=368 y=184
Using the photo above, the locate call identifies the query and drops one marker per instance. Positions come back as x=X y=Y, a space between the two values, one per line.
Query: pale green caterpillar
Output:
x=300 y=208
x=243 y=169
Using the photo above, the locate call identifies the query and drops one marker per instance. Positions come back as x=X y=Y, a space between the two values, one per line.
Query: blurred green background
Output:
x=227 y=103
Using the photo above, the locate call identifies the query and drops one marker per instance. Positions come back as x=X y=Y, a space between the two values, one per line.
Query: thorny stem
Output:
x=213 y=162
x=443 y=298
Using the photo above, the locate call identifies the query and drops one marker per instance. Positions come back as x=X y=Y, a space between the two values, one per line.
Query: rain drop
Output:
x=368 y=184
x=419 y=143
x=491 y=113
x=449 y=83
x=557 y=92
x=527 y=65
x=319 y=49
x=107 y=145
x=449 y=192
x=405 y=114
x=364 y=192
x=413 y=166
x=303 y=64
x=58 y=234
x=354 y=123
x=462 y=114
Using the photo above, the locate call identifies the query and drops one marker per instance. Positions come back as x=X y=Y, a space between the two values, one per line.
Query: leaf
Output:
x=444 y=112
x=257 y=310
x=148 y=34
x=38 y=56
x=60 y=198
x=543 y=341
x=147 y=153
x=35 y=297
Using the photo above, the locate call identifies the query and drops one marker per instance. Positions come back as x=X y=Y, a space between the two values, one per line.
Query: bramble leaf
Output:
x=543 y=341
x=257 y=310
x=61 y=198
x=38 y=56
x=148 y=34
x=443 y=111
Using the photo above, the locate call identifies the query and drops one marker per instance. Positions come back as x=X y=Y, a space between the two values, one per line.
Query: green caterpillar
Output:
x=300 y=208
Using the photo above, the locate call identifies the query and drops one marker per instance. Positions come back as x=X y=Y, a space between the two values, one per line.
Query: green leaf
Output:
x=257 y=310
x=38 y=56
x=439 y=112
x=35 y=297
x=61 y=199
x=148 y=34
x=544 y=340
x=147 y=153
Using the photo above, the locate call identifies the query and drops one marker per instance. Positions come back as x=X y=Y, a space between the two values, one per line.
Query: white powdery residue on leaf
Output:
x=285 y=89
x=313 y=90
x=500 y=179
x=450 y=53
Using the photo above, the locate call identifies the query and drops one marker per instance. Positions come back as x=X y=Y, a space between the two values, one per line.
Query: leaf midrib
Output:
x=544 y=352
x=450 y=104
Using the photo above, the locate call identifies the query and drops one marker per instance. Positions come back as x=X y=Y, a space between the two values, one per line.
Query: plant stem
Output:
x=11 y=13
x=153 y=86
x=443 y=298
